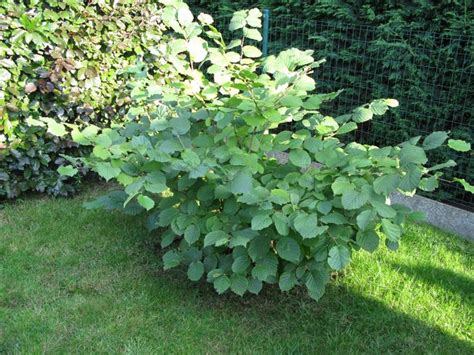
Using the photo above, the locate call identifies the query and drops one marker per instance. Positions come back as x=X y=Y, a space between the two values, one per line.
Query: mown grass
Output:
x=79 y=281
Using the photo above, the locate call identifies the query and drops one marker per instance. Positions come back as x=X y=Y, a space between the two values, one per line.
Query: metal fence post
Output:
x=266 y=29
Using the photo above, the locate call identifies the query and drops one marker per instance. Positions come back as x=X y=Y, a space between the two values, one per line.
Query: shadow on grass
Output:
x=341 y=321
x=447 y=279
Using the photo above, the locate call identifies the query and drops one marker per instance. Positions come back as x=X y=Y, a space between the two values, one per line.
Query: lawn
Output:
x=80 y=281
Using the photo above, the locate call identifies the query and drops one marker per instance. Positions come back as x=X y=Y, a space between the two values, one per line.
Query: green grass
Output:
x=79 y=281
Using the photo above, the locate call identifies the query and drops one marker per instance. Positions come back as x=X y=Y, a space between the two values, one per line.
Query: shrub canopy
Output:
x=196 y=152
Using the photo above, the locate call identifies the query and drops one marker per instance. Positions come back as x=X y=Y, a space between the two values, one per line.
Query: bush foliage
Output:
x=196 y=152
x=417 y=51
x=63 y=60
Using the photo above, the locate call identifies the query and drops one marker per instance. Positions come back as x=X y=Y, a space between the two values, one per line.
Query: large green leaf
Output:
x=261 y=221
x=195 y=270
x=366 y=218
x=279 y=196
x=368 y=240
x=434 y=140
x=352 y=200
x=107 y=171
x=281 y=223
x=412 y=154
x=386 y=184
x=300 y=158
x=241 y=264
x=222 y=284
x=316 y=281
x=238 y=284
x=288 y=249
x=339 y=257
x=459 y=145
x=251 y=52
x=171 y=259
x=287 y=280
x=242 y=182
x=306 y=225
x=391 y=230
x=67 y=170
x=180 y=125
x=146 y=202
x=192 y=233
x=216 y=238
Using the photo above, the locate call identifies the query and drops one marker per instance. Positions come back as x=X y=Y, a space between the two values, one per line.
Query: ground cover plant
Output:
x=195 y=154
x=83 y=281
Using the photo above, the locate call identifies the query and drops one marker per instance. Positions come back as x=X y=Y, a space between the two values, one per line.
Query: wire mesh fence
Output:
x=431 y=74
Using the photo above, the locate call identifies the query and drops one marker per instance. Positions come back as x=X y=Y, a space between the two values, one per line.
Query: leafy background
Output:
x=420 y=52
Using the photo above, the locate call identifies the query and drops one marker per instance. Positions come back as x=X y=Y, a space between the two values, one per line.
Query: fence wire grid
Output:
x=429 y=73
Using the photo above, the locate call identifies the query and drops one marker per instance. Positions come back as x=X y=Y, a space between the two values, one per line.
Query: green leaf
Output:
x=316 y=281
x=339 y=257
x=67 y=170
x=192 y=233
x=459 y=145
x=253 y=18
x=279 y=196
x=241 y=264
x=195 y=270
x=101 y=152
x=347 y=127
x=281 y=223
x=252 y=33
x=255 y=286
x=448 y=164
x=190 y=158
x=365 y=219
x=54 y=128
x=180 y=125
x=342 y=185
x=467 y=186
x=242 y=182
x=411 y=180
x=429 y=184
x=383 y=209
x=216 y=238
x=368 y=240
x=196 y=49
x=288 y=249
x=306 y=225
x=251 y=52
x=107 y=171
x=171 y=259
x=238 y=284
x=362 y=114
x=146 y=202
x=291 y=101
x=222 y=284
x=237 y=21
x=386 y=184
x=300 y=158
x=185 y=17
x=391 y=230
x=261 y=221
x=352 y=200
x=266 y=267
x=412 y=154
x=287 y=280
x=434 y=140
